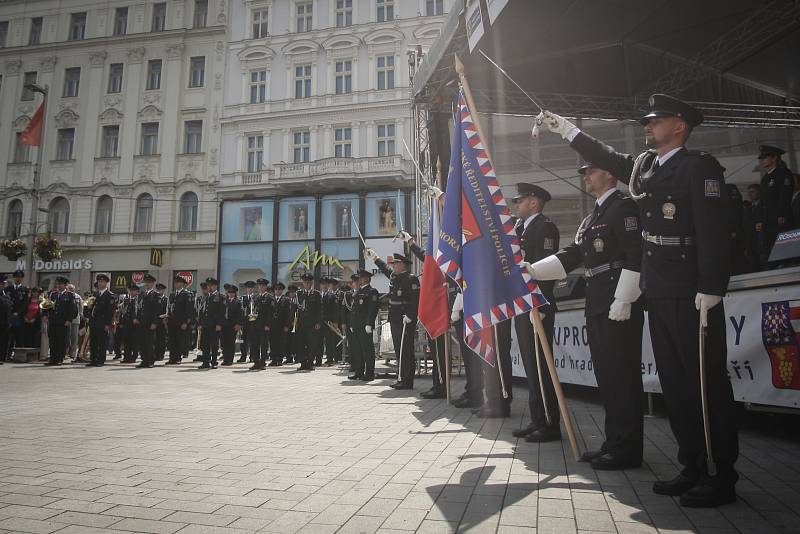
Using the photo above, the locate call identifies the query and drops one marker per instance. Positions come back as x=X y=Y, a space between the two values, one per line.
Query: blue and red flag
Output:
x=434 y=313
x=478 y=246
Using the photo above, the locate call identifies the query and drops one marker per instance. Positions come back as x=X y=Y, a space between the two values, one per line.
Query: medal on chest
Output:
x=668 y=210
x=399 y=292
x=598 y=244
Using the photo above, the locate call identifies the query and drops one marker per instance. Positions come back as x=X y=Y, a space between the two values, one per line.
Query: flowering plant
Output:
x=47 y=248
x=13 y=248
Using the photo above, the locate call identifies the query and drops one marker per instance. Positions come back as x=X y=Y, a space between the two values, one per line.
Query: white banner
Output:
x=474 y=21
x=763 y=330
x=495 y=7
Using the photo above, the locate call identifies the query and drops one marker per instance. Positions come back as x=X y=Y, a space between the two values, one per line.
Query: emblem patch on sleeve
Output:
x=548 y=243
x=712 y=188
x=631 y=223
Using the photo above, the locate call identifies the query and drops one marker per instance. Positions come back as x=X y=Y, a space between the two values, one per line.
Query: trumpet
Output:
x=253 y=315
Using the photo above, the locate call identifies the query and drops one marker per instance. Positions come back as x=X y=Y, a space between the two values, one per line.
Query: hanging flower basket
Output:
x=47 y=248
x=13 y=249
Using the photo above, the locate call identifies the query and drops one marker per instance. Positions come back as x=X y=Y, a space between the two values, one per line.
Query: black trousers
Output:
x=354 y=352
x=131 y=342
x=473 y=366
x=228 y=343
x=309 y=344
x=210 y=344
x=147 y=350
x=4 y=333
x=525 y=333
x=403 y=337
x=255 y=337
x=333 y=350
x=245 y=348
x=161 y=340
x=59 y=335
x=675 y=334
x=98 y=343
x=178 y=341
x=277 y=344
x=119 y=336
x=492 y=383
x=366 y=352
x=17 y=334
x=616 y=348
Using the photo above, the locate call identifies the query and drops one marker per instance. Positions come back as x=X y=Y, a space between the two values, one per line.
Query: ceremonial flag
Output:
x=478 y=246
x=32 y=134
x=433 y=306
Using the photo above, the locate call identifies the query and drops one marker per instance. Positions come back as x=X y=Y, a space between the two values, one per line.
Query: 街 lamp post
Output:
x=37 y=170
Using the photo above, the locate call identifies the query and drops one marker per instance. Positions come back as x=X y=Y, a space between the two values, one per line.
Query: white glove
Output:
x=704 y=303
x=458 y=305
x=370 y=254
x=406 y=319
x=554 y=123
x=434 y=192
x=368 y=329
x=627 y=292
x=549 y=268
x=405 y=236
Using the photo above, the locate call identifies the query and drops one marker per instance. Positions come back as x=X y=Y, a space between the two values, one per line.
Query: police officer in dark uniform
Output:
x=247 y=300
x=101 y=321
x=309 y=324
x=685 y=272
x=403 y=306
x=290 y=342
x=233 y=323
x=346 y=295
x=363 y=315
x=181 y=310
x=19 y=294
x=331 y=313
x=263 y=306
x=777 y=187
x=753 y=222
x=149 y=317
x=161 y=327
x=539 y=238
x=282 y=323
x=736 y=229
x=5 y=319
x=130 y=324
x=214 y=318
x=65 y=310
x=200 y=304
x=609 y=246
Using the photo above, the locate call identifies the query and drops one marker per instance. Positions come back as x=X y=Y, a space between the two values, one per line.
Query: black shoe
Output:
x=355 y=377
x=255 y=367
x=367 y=378
x=241 y=360
x=433 y=394
x=198 y=359
x=226 y=364
x=401 y=385
x=213 y=365
x=611 y=462
x=173 y=362
x=463 y=402
x=709 y=493
x=117 y=357
x=677 y=486
x=205 y=366
x=395 y=384
x=90 y=365
x=525 y=431
x=273 y=364
x=544 y=435
x=588 y=456
x=141 y=365
x=150 y=366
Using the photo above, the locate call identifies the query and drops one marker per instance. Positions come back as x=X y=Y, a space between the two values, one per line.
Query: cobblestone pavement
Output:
x=164 y=450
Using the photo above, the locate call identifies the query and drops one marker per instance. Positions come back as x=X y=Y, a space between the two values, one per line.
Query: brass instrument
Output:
x=199 y=337
x=85 y=343
x=253 y=315
x=46 y=304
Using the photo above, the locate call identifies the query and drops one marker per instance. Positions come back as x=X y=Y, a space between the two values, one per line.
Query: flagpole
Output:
x=37 y=174
x=562 y=403
x=499 y=361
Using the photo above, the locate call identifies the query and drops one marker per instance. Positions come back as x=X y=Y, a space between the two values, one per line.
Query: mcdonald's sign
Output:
x=156 y=257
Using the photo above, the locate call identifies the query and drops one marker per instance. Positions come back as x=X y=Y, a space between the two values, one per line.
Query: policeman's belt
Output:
x=668 y=240
x=396 y=302
x=594 y=271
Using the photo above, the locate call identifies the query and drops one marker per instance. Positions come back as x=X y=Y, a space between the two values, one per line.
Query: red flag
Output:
x=32 y=135
x=434 y=309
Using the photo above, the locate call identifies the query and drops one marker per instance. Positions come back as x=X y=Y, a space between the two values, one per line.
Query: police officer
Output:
x=181 y=308
x=777 y=186
x=65 y=310
x=101 y=321
x=363 y=315
x=247 y=299
x=5 y=318
x=753 y=222
x=149 y=317
x=200 y=302
x=685 y=272
x=280 y=326
x=264 y=309
x=346 y=295
x=130 y=322
x=609 y=246
x=290 y=342
x=309 y=325
x=19 y=294
x=161 y=327
x=330 y=317
x=214 y=318
x=539 y=238
x=403 y=306
x=232 y=324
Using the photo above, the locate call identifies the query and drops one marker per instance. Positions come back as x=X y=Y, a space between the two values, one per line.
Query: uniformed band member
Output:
x=348 y=299
x=330 y=317
x=261 y=316
x=19 y=294
x=247 y=299
x=130 y=324
x=214 y=318
x=539 y=238
x=363 y=315
x=149 y=317
x=232 y=323
x=200 y=303
x=101 y=321
x=5 y=318
x=181 y=312
x=777 y=187
x=161 y=326
x=281 y=325
x=65 y=310
x=290 y=343
x=685 y=274
x=309 y=334
x=403 y=306
x=609 y=246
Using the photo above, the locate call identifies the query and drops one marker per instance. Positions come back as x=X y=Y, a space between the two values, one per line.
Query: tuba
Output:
x=45 y=304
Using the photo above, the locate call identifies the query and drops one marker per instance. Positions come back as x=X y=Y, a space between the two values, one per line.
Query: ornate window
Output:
x=58 y=215
x=103 y=217
x=144 y=214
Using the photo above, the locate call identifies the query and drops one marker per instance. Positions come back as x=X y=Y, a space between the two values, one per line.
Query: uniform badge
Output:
x=548 y=243
x=399 y=292
x=631 y=223
x=712 y=188
x=598 y=245
x=771 y=183
x=668 y=209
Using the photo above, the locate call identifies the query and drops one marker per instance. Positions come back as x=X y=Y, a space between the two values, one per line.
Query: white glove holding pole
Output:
x=434 y=192
x=627 y=293
x=549 y=268
x=554 y=123
x=368 y=329
x=458 y=305
x=405 y=236
x=703 y=303
x=370 y=254
x=406 y=319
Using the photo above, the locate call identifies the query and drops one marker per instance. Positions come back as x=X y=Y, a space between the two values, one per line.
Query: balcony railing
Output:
x=342 y=166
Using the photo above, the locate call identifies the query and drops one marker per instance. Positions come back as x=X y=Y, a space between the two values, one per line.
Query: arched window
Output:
x=144 y=214
x=188 y=215
x=59 y=215
x=102 y=223
x=14 y=222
